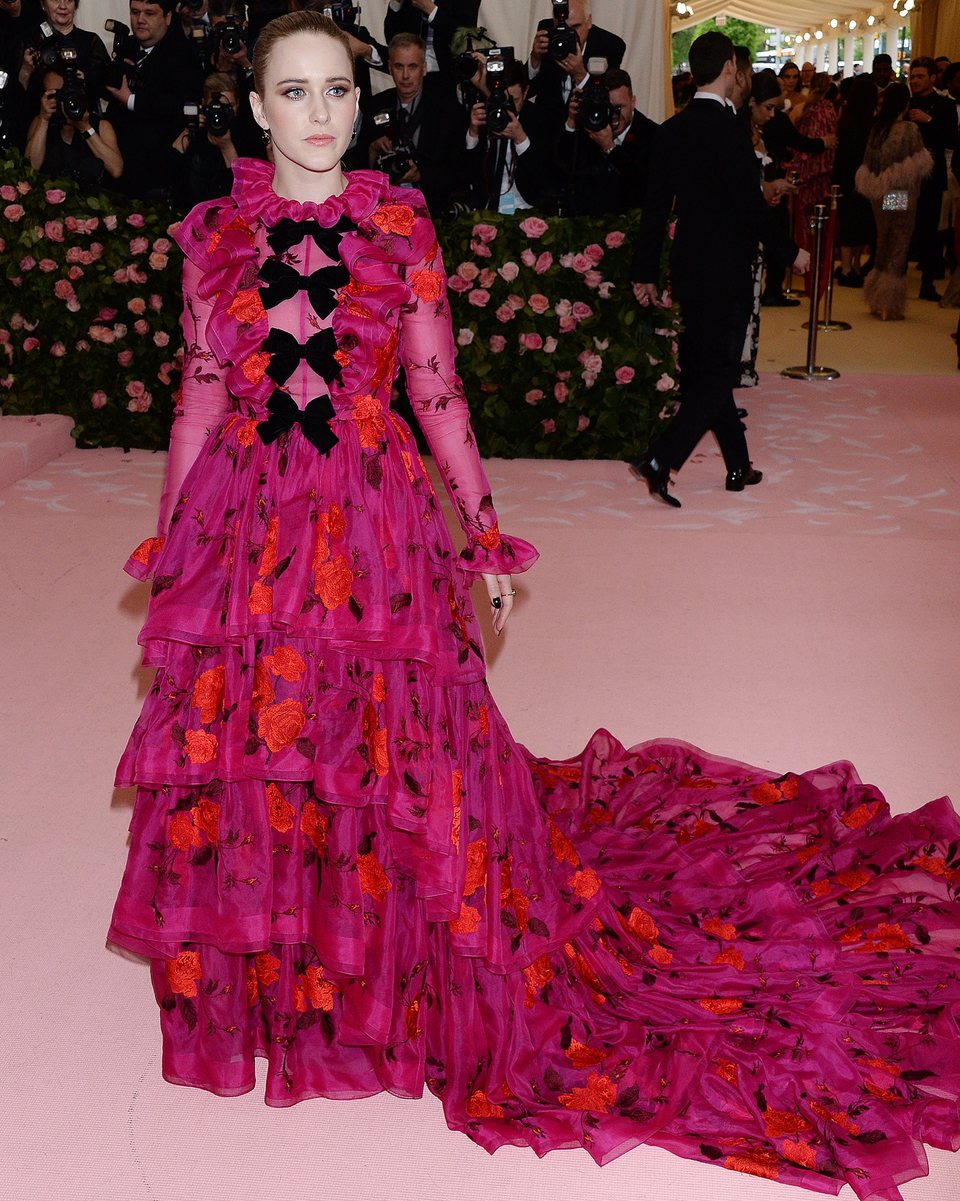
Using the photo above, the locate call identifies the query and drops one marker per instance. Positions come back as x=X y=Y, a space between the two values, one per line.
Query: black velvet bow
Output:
x=287 y=233
x=286 y=352
x=314 y=421
x=283 y=281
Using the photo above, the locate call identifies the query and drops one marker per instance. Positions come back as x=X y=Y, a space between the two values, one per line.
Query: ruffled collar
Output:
x=256 y=200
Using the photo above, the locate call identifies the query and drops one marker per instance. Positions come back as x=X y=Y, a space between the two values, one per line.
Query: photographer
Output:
x=205 y=150
x=45 y=44
x=155 y=77
x=367 y=52
x=65 y=139
x=435 y=21
x=564 y=43
x=604 y=150
x=416 y=132
x=507 y=162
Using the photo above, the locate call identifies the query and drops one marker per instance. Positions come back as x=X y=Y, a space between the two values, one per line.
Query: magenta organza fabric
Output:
x=342 y=862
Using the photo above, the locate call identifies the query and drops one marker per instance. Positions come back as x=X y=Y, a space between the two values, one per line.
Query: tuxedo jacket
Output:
x=451 y=15
x=703 y=168
x=440 y=144
x=534 y=168
x=606 y=183
x=547 y=84
x=168 y=78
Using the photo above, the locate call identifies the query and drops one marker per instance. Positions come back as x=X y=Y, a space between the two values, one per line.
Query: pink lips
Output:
x=320 y=139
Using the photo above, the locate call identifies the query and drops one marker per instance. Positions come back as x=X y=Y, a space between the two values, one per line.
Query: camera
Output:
x=125 y=46
x=72 y=97
x=563 y=39
x=48 y=53
x=344 y=13
x=219 y=116
x=398 y=161
x=499 y=104
x=596 y=112
x=191 y=119
x=228 y=36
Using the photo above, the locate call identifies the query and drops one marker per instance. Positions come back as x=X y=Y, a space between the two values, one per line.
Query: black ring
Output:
x=496 y=602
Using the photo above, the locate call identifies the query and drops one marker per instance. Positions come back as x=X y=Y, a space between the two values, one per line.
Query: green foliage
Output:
x=558 y=359
x=91 y=323
x=741 y=33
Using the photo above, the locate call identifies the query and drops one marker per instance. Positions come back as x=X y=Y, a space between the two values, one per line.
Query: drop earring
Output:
x=265 y=134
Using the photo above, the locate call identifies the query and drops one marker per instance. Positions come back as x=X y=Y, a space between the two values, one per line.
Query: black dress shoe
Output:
x=929 y=292
x=779 y=302
x=657 y=479
x=739 y=479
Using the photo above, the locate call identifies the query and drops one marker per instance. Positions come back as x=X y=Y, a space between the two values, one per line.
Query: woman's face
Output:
x=309 y=102
x=789 y=79
x=60 y=13
x=761 y=113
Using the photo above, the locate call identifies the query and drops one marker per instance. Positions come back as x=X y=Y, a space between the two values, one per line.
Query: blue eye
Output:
x=338 y=90
x=292 y=91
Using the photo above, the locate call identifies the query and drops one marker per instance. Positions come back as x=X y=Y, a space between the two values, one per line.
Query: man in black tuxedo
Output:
x=423 y=114
x=703 y=168
x=606 y=169
x=435 y=21
x=148 y=116
x=552 y=80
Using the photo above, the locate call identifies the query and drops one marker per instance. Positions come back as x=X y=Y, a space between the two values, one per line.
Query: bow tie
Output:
x=314 y=421
x=286 y=352
x=287 y=233
x=284 y=281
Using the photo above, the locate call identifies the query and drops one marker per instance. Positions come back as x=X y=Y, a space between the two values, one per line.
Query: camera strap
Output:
x=408 y=124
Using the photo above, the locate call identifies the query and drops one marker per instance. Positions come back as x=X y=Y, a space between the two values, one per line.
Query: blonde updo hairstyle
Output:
x=305 y=21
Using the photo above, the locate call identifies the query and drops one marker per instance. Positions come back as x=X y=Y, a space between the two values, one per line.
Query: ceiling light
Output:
x=806 y=37
x=818 y=34
x=871 y=20
x=833 y=22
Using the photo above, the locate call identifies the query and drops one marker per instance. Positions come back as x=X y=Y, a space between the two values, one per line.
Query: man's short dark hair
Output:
x=401 y=41
x=949 y=73
x=167 y=5
x=744 y=58
x=925 y=63
x=227 y=8
x=516 y=73
x=885 y=59
x=709 y=54
x=615 y=78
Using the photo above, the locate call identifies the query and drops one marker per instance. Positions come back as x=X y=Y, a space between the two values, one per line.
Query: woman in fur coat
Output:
x=895 y=164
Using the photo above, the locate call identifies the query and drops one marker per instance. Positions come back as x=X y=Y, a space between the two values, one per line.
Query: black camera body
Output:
x=596 y=112
x=125 y=47
x=398 y=161
x=499 y=104
x=72 y=97
x=230 y=36
x=219 y=116
x=341 y=12
x=563 y=39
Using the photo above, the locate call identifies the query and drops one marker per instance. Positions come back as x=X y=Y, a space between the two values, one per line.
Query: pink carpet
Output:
x=811 y=618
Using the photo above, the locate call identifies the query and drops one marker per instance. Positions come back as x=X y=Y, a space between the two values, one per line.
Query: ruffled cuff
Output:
x=494 y=554
x=143 y=560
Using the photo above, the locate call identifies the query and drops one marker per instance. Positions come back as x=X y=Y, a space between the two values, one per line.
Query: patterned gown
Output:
x=342 y=862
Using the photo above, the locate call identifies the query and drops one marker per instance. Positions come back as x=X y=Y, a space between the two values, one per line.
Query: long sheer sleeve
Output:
x=427 y=353
x=203 y=398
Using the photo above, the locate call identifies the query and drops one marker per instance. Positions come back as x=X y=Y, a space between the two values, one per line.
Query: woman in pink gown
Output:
x=342 y=862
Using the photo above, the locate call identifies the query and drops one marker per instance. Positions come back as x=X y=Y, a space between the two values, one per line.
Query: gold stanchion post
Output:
x=811 y=371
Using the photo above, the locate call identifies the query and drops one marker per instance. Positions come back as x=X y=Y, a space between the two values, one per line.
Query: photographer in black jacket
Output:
x=604 y=150
x=65 y=138
x=565 y=42
x=435 y=21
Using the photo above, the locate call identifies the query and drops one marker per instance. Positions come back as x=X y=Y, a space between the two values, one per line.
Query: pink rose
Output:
x=106 y=314
x=479 y=298
x=652 y=360
x=664 y=383
x=534 y=227
x=162 y=245
x=487 y=277
x=75 y=272
x=594 y=252
x=54 y=230
x=81 y=344
x=528 y=258
x=666 y=301
x=156 y=303
x=72 y=225
x=589 y=378
x=13 y=212
x=8 y=192
x=486 y=233
x=468 y=271
x=136 y=220
x=566 y=260
x=110 y=222
x=551 y=344
x=98 y=399
x=120 y=330
x=161 y=339
x=120 y=275
x=90 y=224
x=140 y=404
x=135 y=388
x=515 y=302
x=533 y=396
x=509 y=271
x=465 y=337
x=481 y=250
x=158 y=261
x=100 y=333
x=163 y=375
x=624 y=375
x=96 y=251
x=58 y=350
x=141 y=327
x=137 y=306
x=581 y=311
x=47 y=265
x=592 y=362
x=582 y=422
x=124 y=357
x=458 y=284
x=23 y=187
x=544 y=263
x=564 y=375
x=73 y=306
x=63 y=290
x=674 y=348
x=581 y=263
x=615 y=239
x=563 y=308
x=663 y=333
x=592 y=278
x=605 y=289
x=531 y=341
x=498 y=343
x=30 y=344
x=17 y=321
x=549 y=425
x=539 y=303
x=505 y=313
x=139 y=245
x=567 y=325
x=561 y=392
x=74 y=254
x=28 y=262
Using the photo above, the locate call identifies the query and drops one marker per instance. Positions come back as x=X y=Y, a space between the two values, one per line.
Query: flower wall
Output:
x=558 y=359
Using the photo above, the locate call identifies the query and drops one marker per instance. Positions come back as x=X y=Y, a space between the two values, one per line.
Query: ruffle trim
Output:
x=492 y=553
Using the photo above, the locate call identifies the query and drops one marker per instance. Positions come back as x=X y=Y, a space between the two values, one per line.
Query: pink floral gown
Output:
x=341 y=861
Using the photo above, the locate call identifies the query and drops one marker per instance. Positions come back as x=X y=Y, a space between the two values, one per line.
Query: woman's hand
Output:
x=501 y=593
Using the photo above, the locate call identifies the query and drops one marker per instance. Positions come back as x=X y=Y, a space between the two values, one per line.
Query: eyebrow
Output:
x=330 y=79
